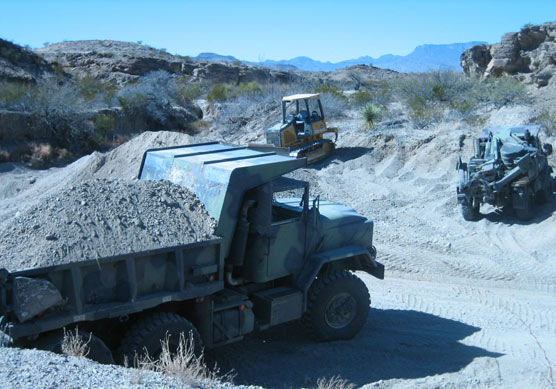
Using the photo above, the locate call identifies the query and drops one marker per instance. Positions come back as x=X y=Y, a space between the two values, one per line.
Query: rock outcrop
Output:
x=529 y=54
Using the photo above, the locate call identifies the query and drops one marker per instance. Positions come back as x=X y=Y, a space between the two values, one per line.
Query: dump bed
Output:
x=48 y=298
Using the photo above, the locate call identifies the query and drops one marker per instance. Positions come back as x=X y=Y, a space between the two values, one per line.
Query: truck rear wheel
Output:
x=145 y=336
x=96 y=349
x=337 y=306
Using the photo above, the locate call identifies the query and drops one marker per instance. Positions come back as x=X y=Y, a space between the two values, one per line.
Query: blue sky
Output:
x=254 y=30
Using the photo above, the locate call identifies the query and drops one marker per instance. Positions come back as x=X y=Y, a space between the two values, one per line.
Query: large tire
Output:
x=545 y=194
x=470 y=213
x=97 y=349
x=337 y=306
x=145 y=336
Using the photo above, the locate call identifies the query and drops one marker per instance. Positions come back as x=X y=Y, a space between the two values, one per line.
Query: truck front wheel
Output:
x=145 y=336
x=337 y=306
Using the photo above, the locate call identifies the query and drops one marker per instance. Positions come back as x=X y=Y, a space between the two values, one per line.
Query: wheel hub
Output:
x=340 y=310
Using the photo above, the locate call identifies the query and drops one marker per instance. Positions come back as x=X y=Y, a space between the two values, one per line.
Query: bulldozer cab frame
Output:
x=304 y=108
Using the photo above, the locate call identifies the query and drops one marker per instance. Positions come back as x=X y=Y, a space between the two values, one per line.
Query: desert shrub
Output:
x=132 y=103
x=5 y=338
x=89 y=87
x=333 y=105
x=428 y=96
x=42 y=152
x=330 y=89
x=182 y=364
x=188 y=93
x=334 y=383
x=371 y=114
x=504 y=90
x=104 y=122
x=251 y=88
x=360 y=98
x=12 y=92
x=74 y=345
x=547 y=119
x=218 y=92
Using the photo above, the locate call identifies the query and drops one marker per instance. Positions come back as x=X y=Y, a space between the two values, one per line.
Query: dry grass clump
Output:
x=183 y=364
x=5 y=338
x=334 y=383
x=74 y=345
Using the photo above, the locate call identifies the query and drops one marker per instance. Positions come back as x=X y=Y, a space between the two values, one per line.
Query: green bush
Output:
x=104 y=122
x=330 y=89
x=132 y=103
x=251 y=88
x=11 y=92
x=188 y=93
x=371 y=114
x=360 y=98
x=503 y=91
x=90 y=88
x=427 y=96
x=218 y=92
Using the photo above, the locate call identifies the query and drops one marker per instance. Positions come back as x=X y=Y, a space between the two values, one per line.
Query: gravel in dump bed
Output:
x=34 y=369
x=100 y=218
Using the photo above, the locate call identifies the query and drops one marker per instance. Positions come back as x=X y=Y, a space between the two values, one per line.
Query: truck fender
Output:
x=349 y=257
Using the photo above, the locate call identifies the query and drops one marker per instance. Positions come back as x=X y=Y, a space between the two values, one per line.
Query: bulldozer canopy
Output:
x=302 y=96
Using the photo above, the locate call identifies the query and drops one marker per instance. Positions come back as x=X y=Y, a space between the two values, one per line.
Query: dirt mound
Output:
x=125 y=161
x=99 y=218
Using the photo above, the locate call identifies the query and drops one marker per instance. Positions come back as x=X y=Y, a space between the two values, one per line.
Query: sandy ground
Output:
x=463 y=304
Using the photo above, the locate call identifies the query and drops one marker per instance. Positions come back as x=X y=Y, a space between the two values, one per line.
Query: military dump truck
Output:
x=509 y=168
x=274 y=259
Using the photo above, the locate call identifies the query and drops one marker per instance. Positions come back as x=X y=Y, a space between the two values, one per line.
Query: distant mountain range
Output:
x=423 y=59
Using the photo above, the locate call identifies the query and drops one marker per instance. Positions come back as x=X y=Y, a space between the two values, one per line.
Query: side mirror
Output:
x=547 y=148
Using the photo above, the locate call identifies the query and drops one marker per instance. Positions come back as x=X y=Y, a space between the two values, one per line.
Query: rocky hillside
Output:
x=18 y=64
x=529 y=54
x=122 y=62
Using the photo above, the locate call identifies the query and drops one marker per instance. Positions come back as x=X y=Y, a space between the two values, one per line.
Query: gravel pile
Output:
x=100 y=218
x=38 y=369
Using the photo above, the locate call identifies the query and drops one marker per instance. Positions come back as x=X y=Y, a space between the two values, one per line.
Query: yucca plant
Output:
x=371 y=114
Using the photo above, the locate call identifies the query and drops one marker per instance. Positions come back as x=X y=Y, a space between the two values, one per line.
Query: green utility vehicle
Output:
x=274 y=259
x=510 y=168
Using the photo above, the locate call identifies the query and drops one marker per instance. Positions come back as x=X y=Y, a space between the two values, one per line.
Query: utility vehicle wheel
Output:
x=545 y=194
x=470 y=213
x=525 y=214
x=337 y=306
x=96 y=349
x=145 y=336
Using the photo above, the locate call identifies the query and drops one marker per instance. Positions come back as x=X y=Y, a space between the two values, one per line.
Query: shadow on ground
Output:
x=506 y=215
x=341 y=154
x=393 y=344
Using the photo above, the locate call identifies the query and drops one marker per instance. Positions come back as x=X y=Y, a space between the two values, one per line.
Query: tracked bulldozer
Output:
x=301 y=132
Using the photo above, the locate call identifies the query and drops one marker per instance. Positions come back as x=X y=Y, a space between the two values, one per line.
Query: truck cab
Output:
x=278 y=240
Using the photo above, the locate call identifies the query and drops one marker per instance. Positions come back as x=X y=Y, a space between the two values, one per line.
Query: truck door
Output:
x=287 y=242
